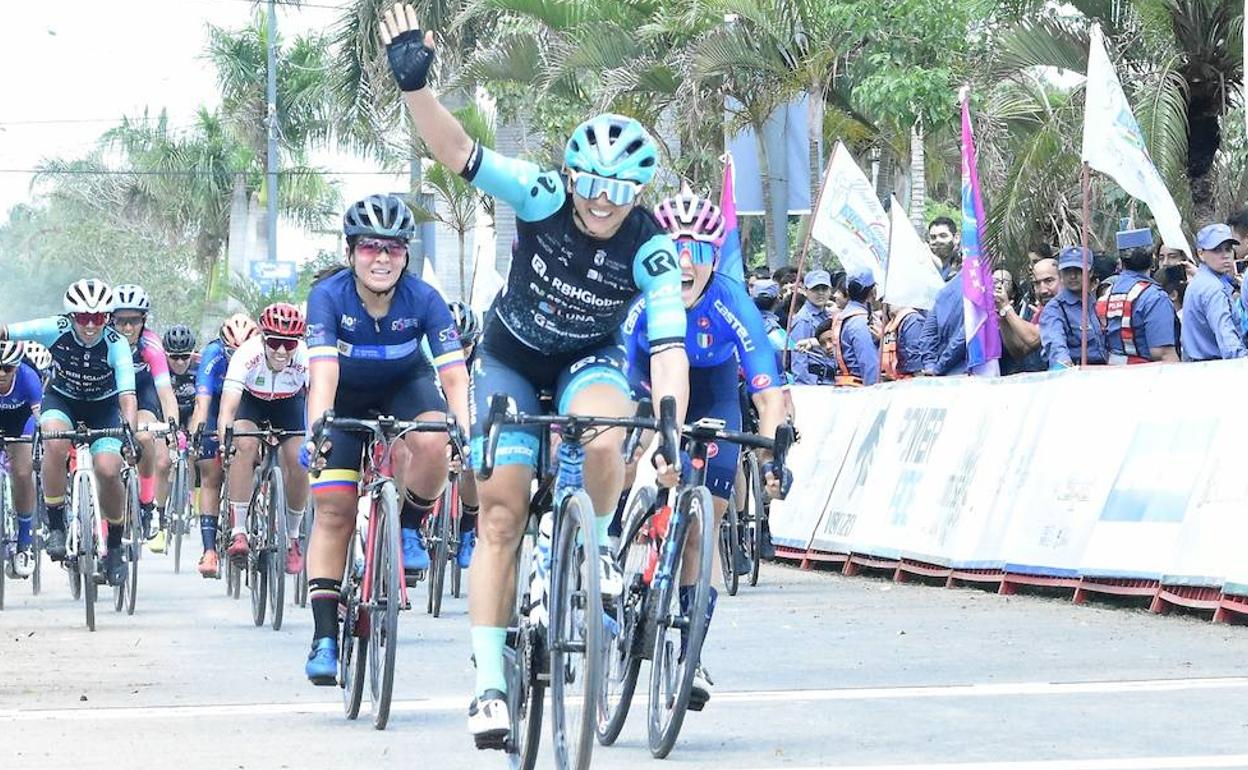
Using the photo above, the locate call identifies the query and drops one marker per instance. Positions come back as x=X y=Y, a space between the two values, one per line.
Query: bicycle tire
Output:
x=523 y=659
x=694 y=505
x=574 y=576
x=135 y=547
x=457 y=572
x=277 y=547
x=352 y=660
x=727 y=549
x=386 y=599
x=301 y=580
x=41 y=517
x=4 y=541
x=754 y=515
x=621 y=654
x=440 y=531
x=258 y=514
x=179 y=495
x=84 y=504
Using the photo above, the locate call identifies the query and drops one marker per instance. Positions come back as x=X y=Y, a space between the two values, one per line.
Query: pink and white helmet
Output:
x=689 y=215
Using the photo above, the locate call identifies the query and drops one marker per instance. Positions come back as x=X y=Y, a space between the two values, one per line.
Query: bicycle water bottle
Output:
x=655 y=532
x=539 y=579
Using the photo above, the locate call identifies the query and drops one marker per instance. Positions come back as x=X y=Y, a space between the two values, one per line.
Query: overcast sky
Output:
x=71 y=69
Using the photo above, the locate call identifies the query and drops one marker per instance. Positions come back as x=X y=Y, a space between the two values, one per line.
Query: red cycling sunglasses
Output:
x=90 y=319
x=281 y=343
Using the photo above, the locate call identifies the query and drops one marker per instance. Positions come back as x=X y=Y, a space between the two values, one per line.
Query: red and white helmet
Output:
x=691 y=216
x=282 y=319
x=237 y=329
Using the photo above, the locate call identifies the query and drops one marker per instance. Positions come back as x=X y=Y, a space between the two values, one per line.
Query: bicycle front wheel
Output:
x=728 y=547
x=84 y=505
x=5 y=529
x=258 y=556
x=387 y=596
x=353 y=653
x=439 y=539
x=178 y=498
x=622 y=651
x=276 y=559
x=576 y=634
x=673 y=659
x=753 y=515
x=524 y=660
x=132 y=540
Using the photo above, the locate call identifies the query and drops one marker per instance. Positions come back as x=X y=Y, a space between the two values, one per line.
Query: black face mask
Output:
x=1175 y=274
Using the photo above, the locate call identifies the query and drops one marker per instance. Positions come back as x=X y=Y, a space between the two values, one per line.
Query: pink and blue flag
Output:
x=983 y=336
x=730 y=263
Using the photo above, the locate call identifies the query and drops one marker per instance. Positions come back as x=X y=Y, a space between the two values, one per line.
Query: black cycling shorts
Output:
x=145 y=393
x=280 y=413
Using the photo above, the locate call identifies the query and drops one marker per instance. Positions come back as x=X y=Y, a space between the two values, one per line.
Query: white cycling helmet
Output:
x=130 y=296
x=11 y=352
x=38 y=356
x=88 y=295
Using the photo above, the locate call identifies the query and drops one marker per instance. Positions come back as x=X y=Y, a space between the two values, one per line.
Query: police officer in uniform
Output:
x=1137 y=313
x=1062 y=321
x=901 y=347
x=1209 y=331
x=847 y=337
x=813 y=367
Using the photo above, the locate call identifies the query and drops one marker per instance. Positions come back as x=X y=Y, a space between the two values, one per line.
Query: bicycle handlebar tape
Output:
x=784 y=440
x=410 y=60
x=498 y=410
x=669 y=446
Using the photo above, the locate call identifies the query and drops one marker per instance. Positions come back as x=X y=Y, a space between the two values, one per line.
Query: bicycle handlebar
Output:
x=383 y=428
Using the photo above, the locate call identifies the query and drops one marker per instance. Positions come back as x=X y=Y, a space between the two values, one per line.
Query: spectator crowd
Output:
x=1145 y=303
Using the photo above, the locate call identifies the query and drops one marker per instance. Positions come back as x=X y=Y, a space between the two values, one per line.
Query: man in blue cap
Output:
x=1062 y=322
x=813 y=367
x=765 y=293
x=847 y=337
x=1209 y=331
x=1138 y=314
x=944 y=332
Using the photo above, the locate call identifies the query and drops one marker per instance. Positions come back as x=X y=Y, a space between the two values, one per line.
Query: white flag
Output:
x=486 y=282
x=850 y=220
x=430 y=277
x=912 y=279
x=1113 y=144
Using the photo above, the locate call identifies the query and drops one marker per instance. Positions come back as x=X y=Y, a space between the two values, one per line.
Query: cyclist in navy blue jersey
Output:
x=584 y=251
x=21 y=392
x=726 y=334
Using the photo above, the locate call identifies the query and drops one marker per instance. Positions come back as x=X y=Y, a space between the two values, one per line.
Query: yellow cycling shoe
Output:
x=157 y=543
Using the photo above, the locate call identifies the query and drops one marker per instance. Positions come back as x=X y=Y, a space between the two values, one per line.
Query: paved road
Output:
x=813 y=671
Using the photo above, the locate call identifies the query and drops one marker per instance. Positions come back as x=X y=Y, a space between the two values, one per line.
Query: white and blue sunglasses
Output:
x=620 y=192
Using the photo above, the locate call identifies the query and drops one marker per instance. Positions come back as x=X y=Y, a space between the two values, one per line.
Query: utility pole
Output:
x=271 y=155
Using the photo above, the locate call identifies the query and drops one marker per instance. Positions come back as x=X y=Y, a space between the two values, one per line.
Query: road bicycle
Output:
x=265 y=523
x=373 y=587
x=742 y=527
x=555 y=638
x=442 y=538
x=652 y=624
x=8 y=520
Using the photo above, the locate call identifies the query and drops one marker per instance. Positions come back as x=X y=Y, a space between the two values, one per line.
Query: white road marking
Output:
x=1118 y=763
x=460 y=703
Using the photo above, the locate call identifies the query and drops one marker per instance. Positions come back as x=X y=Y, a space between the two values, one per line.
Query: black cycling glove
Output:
x=410 y=60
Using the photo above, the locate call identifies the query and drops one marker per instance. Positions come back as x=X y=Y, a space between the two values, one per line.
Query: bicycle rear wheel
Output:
x=258 y=515
x=301 y=580
x=728 y=547
x=178 y=499
x=576 y=634
x=524 y=660
x=352 y=652
x=277 y=547
x=84 y=504
x=132 y=540
x=753 y=515
x=622 y=653
x=671 y=668
x=387 y=559
x=438 y=543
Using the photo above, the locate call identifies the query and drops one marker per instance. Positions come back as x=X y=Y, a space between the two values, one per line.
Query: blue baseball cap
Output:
x=1212 y=236
x=817 y=278
x=864 y=279
x=1072 y=256
x=764 y=288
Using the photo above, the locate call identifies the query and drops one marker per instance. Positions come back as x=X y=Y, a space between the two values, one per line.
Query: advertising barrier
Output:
x=1122 y=480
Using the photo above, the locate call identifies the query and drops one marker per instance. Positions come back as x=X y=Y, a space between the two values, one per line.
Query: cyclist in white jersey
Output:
x=266 y=383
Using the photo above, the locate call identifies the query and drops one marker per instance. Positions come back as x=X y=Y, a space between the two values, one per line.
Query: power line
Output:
x=193 y=172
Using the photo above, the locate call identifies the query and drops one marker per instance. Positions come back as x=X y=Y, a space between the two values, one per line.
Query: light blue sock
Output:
x=604 y=527
x=487 y=648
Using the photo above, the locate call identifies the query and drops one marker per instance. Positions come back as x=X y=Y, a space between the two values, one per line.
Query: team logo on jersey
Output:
x=761 y=381
x=593 y=275
x=704 y=322
x=705 y=340
x=539 y=266
x=600 y=257
x=658 y=263
x=347 y=322
x=712 y=449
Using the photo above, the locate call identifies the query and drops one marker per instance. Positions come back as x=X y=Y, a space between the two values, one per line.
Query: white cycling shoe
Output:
x=23 y=563
x=489 y=721
x=610 y=578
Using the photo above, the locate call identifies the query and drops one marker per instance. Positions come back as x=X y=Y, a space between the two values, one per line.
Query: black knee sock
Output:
x=324 y=594
x=467 y=517
x=114 y=536
x=56 y=517
x=415 y=509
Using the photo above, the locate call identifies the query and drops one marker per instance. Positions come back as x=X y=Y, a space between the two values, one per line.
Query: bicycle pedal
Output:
x=696 y=703
x=493 y=741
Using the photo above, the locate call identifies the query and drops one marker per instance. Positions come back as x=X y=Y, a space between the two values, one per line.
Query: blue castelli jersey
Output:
x=27 y=390
x=373 y=352
x=567 y=291
x=83 y=372
x=724 y=323
x=210 y=376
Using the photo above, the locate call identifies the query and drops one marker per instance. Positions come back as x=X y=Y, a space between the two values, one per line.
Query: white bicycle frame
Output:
x=84 y=473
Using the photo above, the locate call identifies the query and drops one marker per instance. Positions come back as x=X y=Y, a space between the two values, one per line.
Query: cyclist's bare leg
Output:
x=21 y=478
x=242 y=470
x=604 y=465
x=108 y=477
x=331 y=531
x=296 y=477
x=55 y=462
x=420 y=461
x=500 y=524
x=210 y=474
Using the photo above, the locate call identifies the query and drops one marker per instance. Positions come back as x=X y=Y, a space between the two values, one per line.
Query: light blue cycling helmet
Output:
x=612 y=146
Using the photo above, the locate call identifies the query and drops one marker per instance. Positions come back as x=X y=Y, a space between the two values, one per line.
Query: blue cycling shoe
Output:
x=415 y=557
x=467 y=542
x=322 y=665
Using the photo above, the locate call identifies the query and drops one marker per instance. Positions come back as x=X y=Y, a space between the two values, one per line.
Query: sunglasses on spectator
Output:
x=621 y=192
x=281 y=343
x=371 y=248
x=90 y=319
x=179 y=356
x=127 y=320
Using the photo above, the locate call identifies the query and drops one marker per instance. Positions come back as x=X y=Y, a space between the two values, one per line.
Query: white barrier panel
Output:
x=1131 y=472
